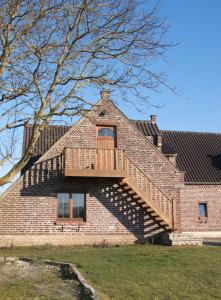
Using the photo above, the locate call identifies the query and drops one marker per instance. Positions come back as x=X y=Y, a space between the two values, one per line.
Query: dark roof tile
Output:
x=198 y=154
x=146 y=127
x=47 y=139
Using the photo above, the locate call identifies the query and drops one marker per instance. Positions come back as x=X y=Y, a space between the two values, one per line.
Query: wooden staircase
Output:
x=142 y=190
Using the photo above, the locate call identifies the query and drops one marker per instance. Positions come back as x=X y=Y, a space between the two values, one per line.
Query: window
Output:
x=78 y=206
x=71 y=206
x=106 y=137
x=63 y=206
x=203 y=210
x=106 y=132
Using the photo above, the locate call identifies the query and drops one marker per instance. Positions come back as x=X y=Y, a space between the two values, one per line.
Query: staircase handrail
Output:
x=126 y=156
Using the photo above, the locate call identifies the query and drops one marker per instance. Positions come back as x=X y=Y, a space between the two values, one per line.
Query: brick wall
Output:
x=28 y=207
x=191 y=195
x=145 y=155
x=108 y=212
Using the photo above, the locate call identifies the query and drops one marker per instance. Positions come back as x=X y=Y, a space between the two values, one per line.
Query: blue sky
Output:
x=195 y=67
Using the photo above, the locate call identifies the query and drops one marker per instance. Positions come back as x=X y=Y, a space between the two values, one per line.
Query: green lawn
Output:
x=141 y=272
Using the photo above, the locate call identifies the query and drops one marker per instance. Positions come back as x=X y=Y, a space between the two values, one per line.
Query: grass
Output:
x=141 y=272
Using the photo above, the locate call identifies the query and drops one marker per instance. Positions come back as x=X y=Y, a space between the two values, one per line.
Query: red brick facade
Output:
x=28 y=208
x=191 y=196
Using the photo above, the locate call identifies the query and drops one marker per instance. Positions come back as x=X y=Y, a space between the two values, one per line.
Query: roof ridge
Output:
x=148 y=121
x=194 y=132
x=50 y=125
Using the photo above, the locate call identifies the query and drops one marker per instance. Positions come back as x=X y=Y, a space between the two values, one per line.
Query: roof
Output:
x=148 y=128
x=54 y=132
x=47 y=139
x=198 y=154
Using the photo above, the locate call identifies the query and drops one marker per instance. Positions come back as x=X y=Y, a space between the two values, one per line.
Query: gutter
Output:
x=202 y=183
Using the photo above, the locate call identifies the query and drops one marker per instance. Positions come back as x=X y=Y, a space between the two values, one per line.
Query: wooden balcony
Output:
x=94 y=162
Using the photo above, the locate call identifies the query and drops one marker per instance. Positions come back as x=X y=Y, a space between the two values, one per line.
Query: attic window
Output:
x=105 y=131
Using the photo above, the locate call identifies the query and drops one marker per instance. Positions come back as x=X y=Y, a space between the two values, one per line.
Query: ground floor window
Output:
x=203 y=210
x=71 y=206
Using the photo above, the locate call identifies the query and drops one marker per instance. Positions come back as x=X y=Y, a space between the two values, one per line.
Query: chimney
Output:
x=159 y=141
x=105 y=95
x=153 y=119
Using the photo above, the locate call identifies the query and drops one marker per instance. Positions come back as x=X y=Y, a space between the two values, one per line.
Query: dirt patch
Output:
x=22 y=280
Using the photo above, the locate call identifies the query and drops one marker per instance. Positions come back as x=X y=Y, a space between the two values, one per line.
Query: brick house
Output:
x=114 y=179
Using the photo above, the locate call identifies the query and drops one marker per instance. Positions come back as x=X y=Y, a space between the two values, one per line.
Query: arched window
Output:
x=105 y=131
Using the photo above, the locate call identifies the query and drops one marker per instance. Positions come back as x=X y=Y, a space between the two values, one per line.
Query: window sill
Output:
x=70 y=222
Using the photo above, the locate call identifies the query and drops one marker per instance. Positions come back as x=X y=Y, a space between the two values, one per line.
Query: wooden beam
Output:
x=94 y=173
x=105 y=123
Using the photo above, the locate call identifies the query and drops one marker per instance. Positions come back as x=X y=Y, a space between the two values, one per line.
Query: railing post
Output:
x=63 y=162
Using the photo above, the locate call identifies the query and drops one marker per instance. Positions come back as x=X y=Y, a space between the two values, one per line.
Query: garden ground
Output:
x=140 y=271
x=23 y=280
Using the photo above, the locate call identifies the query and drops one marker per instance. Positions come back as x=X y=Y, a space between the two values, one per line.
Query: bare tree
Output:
x=51 y=51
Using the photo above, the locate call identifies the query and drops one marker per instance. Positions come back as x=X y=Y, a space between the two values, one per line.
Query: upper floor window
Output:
x=106 y=137
x=105 y=131
x=203 y=210
x=71 y=206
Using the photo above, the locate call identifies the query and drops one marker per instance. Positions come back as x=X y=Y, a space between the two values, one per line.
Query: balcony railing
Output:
x=94 y=162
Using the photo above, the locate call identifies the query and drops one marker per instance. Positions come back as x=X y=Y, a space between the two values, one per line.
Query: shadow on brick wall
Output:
x=42 y=176
x=46 y=179
x=123 y=207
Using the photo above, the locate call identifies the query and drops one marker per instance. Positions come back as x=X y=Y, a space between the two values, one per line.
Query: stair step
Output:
x=141 y=201
x=122 y=184
x=136 y=197
x=149 y=209
x=131 y=192
x=154 y=214
x=164 y=224
x=146 y=202
x=144 y=205
x=168 y=228
x=127 y=188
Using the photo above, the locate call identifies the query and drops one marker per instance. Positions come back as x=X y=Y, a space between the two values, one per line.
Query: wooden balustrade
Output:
x=94 y=162
x=154 y=193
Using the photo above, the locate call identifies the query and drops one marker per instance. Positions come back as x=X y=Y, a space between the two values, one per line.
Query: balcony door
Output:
x=106 y=142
